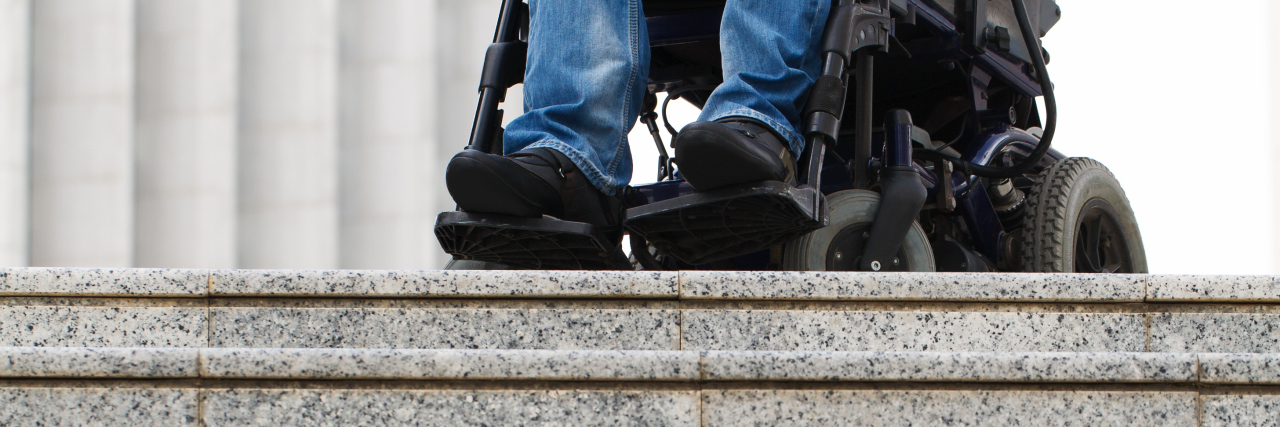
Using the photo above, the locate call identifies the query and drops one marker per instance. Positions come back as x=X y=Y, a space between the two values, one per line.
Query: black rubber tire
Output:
x=1058 y=198
x=456 y=264
x=851 y=208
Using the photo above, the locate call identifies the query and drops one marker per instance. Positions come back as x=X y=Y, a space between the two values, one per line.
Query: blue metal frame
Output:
x=974 y=206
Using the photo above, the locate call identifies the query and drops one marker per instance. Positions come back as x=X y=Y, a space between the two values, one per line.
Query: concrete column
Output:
x=15 y=54
x=186 y=133
x=287 y=159
x=1274 y=10
x=82 y=133
x=387 y=139
x=465 y=29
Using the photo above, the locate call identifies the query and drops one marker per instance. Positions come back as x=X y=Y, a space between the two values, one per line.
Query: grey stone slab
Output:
x=486 y=284
x=1240 y=289
x=98 y=407
x=448 y=328
x=911 y=286
x=52 y=326
x=255 y=407
x=1215 y=333
x=948 y=407
x=912 y=331
x=61 y=362
x=543 y=365
x=1239 y=368
x=1240 y=411
x=39 y=281
x=938 y=366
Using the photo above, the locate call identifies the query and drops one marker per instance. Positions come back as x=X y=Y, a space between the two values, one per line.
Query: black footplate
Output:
x=528 y=243
x=710 y=226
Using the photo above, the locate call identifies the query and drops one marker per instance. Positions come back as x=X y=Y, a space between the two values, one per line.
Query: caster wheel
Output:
x=1078 y=220
x=457 y=264
x=838 y=247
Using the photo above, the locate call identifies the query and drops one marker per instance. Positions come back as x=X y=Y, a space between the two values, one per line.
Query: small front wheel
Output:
x=839 y=246
x=1079 y=221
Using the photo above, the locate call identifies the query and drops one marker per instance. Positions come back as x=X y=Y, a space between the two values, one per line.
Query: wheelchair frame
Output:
x=963 y=35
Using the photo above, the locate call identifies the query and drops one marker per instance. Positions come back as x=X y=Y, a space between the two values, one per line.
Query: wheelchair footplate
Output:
x=710 y=226
x=528 y=243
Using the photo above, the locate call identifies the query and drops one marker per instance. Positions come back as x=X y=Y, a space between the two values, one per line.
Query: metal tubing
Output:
x=862 y=123
x=488 y=117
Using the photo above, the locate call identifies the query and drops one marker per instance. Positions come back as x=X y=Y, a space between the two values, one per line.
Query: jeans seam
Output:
x=597 y=178
x=633 y=73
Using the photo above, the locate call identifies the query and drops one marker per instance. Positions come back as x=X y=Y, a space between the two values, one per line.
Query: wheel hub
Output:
x=1100 y=245
x=845 y=252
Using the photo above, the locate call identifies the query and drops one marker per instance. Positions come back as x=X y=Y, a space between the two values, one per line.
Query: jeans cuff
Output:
x=793 y=139
x=597 y=178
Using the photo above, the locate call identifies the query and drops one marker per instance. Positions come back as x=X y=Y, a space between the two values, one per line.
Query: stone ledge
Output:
x=81 y=362
x=671 y=366
x=1234 y=289
x=1237 y=368
x=922 y=366
x=1018 y=287
x=123 y=282
x=686 y=285
x=450 y=284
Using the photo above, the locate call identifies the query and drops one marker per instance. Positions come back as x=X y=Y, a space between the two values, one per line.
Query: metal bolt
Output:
x=875 y=265
x=896 y=261
x=839 y=256
x=866 y=234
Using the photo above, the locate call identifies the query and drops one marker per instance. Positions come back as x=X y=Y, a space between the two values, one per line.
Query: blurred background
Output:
x=313 y=133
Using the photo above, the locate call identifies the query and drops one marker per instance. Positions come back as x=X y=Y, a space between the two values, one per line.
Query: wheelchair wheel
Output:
x=1079 y=221
x=457 y=264
x=837 y=247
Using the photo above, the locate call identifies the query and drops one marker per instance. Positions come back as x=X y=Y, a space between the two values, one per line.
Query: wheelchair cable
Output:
x=1050 y=109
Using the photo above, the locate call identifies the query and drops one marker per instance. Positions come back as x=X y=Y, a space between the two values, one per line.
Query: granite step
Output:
x=223 y=347
x=666 y=311
x=175 y=386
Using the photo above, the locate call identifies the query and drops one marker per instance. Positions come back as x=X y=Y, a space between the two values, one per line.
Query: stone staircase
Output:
x=223 y=347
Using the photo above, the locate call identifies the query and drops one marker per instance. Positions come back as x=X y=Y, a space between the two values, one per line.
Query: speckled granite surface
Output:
x=489 y=284
x=58 y=362
x=256 y=407
x=585 y=329
x=1240 y=410
x=1215 y=333
x=912 y=331
x=1240 y=368
x=919 y=366
x=98 y=407
x=1162 y=288
x=103 y=282
x=911 y=286
x=450 y=364
x=950 y=408
x=78 y=326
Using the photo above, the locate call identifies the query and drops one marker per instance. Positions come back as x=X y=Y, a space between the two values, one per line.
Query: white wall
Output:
x=388 y=143
x=1180 y=117
x=82 y=133
x=15 y=43
x=186 y=133
x=288 y=145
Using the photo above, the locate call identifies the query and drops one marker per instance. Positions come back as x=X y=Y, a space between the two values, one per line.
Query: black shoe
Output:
x=530 y=183
x=735 y=150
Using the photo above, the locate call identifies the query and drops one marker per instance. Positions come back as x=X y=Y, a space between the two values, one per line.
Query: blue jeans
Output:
x=588 y=68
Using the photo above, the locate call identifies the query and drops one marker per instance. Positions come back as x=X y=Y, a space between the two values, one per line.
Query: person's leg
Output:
x=771 y=58
x=584 y=84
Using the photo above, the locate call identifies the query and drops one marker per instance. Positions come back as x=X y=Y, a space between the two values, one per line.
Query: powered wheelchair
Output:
x=925 y=152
